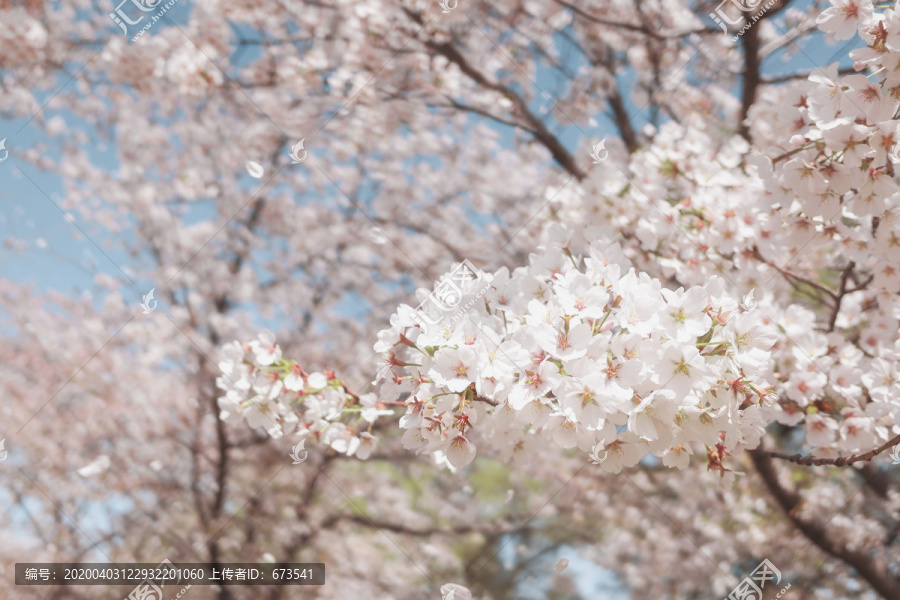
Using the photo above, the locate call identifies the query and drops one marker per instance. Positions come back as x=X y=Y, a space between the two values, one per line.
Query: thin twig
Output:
x=841 y=461
x=786 y=273
x=840 y=297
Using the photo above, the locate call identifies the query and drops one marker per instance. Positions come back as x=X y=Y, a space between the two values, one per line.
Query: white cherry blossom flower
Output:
x=844 y=17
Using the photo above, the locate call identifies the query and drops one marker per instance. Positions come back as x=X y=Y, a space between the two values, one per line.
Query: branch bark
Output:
x=752 y=62
x=841 y=461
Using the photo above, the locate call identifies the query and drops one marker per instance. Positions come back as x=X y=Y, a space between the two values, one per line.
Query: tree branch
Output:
x=484 y=113
x=788 y=274
x=559 y=152
x=752 y=61
x=838 y=300
x=631 y=27
x=622 y=121
x=841 y=461
x=405 y=529
x=803 y=75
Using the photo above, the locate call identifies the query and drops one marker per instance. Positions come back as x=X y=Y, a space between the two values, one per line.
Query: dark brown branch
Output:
x=789 y=154
x=630 y=26
x=559 y=152
x=876 y=479
x=484 y=113
x=405 y=529
x=841 y=461
x=788 y=274
x=803 y=75
x=863 y=285
x=752 y=62
x=622 y=121
x=842 y=291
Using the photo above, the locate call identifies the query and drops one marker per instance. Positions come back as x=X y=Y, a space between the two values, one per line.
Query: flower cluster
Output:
x=277 y=396
x=587 y=353
x=625 y=351
x=812 y=219
x=843 y=392
x=839 y=169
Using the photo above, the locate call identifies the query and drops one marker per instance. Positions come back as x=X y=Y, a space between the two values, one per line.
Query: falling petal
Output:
x=377 y=235
x=509 y=496
x=96 y=467
x=255 y=169
x=560 y=565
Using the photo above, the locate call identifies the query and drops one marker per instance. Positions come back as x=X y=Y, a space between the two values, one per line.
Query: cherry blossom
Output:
x=691 y=344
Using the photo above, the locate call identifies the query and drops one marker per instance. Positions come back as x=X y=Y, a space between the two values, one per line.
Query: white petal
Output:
x=461 y=452
x=255 y=169
x=96 y=467
x=317 y=381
